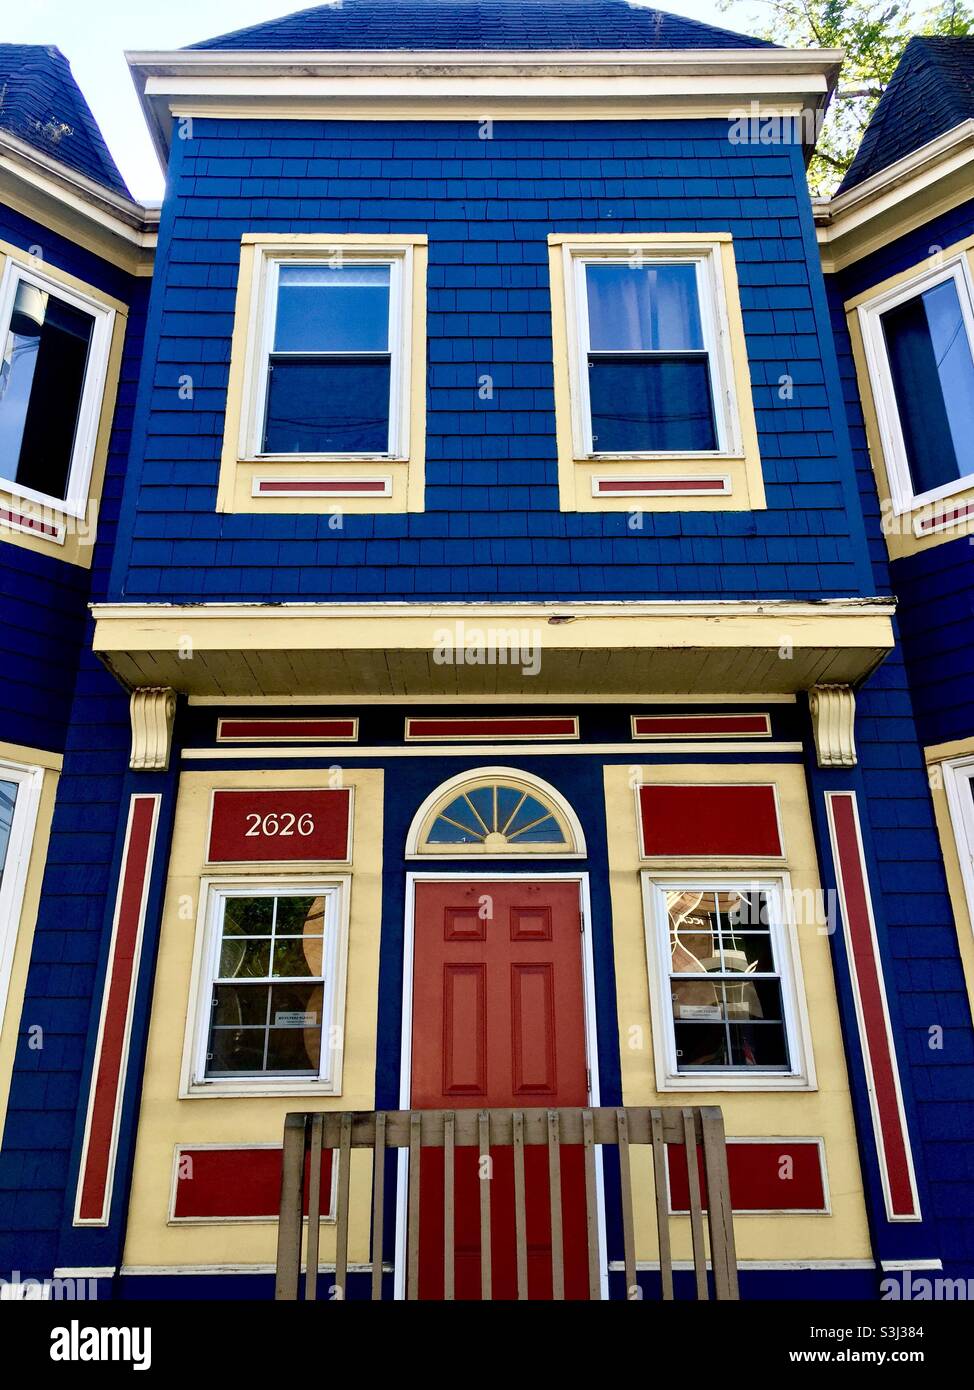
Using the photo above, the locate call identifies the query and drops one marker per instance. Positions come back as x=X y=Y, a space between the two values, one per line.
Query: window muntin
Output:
x=649 y=374
x=919 y=342
x=272 y=984
x=331 y=371
x=54 y=347
x=724 y=982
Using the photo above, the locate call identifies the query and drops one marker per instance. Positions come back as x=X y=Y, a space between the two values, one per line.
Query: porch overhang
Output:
x=353 y=651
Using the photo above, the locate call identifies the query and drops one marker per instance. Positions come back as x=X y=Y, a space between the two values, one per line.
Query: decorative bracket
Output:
x=153 y=712
x=833 y=711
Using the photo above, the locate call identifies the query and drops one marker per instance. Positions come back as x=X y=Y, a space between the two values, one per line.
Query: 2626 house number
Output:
x=285 y=826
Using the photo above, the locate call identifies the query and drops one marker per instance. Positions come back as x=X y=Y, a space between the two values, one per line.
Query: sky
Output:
x=95 y=36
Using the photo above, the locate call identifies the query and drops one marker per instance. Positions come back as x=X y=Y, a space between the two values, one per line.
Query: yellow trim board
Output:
x=537 y=649
x=576 y=473
x=898 y=528
x=934 y=756
x=165 y=1120
x=239 y=469
x=825 y=1111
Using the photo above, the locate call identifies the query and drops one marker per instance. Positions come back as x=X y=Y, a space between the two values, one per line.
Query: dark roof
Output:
x=931 y=91
x=491 y=25
x=41 y=103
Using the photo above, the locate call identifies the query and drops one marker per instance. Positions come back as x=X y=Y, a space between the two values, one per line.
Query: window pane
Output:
x=651 y=308
x=296 y=916
x=317 y=406
x=701 y=1045
x=933 y=379
x=651 y=404
x=298 y=956
x=237 y=1006
x=42 y=378
x=248 y=916
x=758 y=1046
x=243 y=957
x=8 y=800
x=323 y=308
x=236 y=1050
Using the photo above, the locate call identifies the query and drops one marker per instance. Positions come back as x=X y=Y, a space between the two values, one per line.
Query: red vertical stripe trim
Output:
x=111 y=1056
x=886 y=1101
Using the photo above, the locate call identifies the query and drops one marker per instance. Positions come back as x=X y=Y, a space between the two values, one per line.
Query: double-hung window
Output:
x=724 y=967
x=919 y=342
x=272 y=992
x=331 y=375
x=648 y=367
x=53 y=367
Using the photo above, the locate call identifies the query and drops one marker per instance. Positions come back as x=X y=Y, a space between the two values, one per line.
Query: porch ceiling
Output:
x=294 y=650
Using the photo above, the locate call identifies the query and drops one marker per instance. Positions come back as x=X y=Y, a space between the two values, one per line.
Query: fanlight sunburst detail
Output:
x=497 y=816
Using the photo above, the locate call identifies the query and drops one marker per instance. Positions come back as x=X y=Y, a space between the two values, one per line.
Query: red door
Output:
x=498 y=1021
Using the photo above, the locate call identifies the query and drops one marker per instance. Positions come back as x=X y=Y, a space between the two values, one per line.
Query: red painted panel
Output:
x=26 y=522
x=534 y=727
x=531 y=923
x=675 y=725
x=868 y=981
x=298 y=730
x=268 y=487
x=534 y=1049
x=234 y=1184
x=464 y=1029
x=710 y=820
x=650 y=485
x=119 y=987
x=760 y=1180
x=280 y=826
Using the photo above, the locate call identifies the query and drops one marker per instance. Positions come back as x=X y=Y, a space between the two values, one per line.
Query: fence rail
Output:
x=308 y=1137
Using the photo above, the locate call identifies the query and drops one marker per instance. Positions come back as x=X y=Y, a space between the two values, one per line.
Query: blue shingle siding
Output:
x=488 y=207
x=440 y=25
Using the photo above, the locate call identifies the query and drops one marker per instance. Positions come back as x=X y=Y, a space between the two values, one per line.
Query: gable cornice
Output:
x=480 y=85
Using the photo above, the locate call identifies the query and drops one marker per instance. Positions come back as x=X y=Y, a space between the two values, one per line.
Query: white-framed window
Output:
x=329 y=377
x=959 y=786
x=919 y=345
x=20 y=791
x=270 y=989
x=725 y=975
x=650 y=357
x=53 y=369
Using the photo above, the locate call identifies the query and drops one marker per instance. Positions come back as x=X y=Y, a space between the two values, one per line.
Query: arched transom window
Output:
x=496 y=811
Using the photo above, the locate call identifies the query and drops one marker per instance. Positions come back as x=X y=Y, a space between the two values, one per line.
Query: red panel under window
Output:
x=233 y=1184
x=663 y=725
x=285 y=730
x=279 y=826
x=541 y=726
x=782 y=1176
x=710 y=820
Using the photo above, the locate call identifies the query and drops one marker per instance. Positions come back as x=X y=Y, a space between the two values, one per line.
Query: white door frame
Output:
x=591 y=1043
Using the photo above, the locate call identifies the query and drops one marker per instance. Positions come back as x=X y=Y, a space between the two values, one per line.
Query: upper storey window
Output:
x=652 y=388
x=919 y=347
x=649 y=362
x=327 y=392
x=332 y=363
x=52 y=383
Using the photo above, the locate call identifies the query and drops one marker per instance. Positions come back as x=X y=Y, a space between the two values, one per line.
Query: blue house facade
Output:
x=496 y=491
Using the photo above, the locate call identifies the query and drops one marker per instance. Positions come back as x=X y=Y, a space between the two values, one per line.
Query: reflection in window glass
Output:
x=266 y=1011
x=725 y=986
x=46 y=347
x=930 y=361
x=330 y=367
x=648 y=367
x=497 y=816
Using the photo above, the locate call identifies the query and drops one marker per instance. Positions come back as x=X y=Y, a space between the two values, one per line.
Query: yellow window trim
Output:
x=240 y=470
x=899 y=530
x=949 y=834
x=577 y=475
x=76 y=547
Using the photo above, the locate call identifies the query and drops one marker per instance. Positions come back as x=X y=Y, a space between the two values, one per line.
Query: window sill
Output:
x=218 y=1090
x=737 y=1082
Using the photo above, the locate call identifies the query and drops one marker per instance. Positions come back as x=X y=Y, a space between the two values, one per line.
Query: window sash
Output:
x=400 y=268
x=75 y=500
x=28 y=781
x=786 y=975
x=902 y=494
x=332 y=963
x=709 y=303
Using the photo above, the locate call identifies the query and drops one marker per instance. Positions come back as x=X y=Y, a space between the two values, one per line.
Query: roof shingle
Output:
x=488 y=25
x=41 y=104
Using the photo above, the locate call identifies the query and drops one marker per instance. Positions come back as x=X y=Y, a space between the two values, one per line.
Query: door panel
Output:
x=498 y=1022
